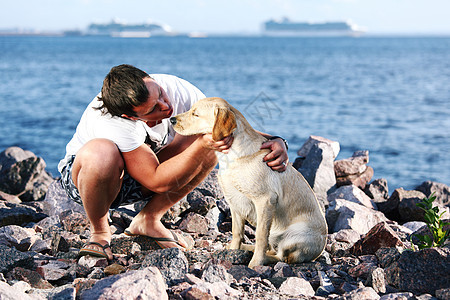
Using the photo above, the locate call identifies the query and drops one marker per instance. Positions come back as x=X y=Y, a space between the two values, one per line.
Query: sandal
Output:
x=88 y=251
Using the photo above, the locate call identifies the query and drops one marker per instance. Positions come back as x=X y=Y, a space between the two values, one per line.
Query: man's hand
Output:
x=223 y=145
x=278 y=158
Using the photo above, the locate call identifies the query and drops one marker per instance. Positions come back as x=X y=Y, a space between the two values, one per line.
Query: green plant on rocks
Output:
x=434 y=223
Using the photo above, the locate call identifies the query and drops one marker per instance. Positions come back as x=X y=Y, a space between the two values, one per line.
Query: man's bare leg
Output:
x=148 y=221
x=97 y=173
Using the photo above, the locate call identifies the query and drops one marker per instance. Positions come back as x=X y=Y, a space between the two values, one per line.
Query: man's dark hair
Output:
x=123 y=89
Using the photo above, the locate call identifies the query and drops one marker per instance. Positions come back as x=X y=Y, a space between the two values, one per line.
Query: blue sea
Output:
x=390 y=96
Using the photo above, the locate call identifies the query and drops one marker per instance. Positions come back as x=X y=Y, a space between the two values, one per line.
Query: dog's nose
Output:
x=173 y=120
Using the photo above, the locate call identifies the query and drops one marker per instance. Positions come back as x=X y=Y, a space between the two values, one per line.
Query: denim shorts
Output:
x=130 y=191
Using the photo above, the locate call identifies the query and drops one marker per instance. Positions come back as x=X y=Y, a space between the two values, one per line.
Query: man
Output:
x=124 y=149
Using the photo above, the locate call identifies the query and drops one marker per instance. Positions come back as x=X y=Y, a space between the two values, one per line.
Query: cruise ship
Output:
x=120 y=29
x=287 y=28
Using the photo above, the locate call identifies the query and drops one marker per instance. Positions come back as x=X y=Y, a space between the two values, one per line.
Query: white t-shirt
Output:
x=128 y=134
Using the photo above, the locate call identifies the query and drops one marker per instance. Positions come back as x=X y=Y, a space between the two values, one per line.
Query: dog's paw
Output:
x=255 y=262
x=233 y=245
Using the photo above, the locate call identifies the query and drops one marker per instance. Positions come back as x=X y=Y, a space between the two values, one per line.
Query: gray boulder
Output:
x=344 y=214
x=18 y=214
x=419 y=272
x=11 y=258
x=56 y=202
x=140 y=284
x=353 y=170
x=440 y=190
x=8 y=292
x=401 y=206
x=354 y=194
x=378 y=190
x=316 y=164
x=23 y=173
x=171 y=262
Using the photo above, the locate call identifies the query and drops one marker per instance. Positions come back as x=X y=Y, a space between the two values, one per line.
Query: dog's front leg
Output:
x=237 y=229
x=265 y=209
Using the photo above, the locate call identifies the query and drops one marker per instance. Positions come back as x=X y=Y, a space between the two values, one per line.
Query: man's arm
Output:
x=176 y=170
x=176 y=164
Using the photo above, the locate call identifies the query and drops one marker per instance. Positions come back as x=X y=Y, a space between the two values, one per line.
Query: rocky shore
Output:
x=370 y=254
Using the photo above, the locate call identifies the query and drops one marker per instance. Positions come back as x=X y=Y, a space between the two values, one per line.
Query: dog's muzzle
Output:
x=173 y=120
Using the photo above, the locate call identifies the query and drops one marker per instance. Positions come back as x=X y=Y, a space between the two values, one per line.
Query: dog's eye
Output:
x=194 y=114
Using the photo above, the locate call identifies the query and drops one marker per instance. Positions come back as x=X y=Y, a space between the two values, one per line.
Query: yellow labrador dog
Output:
x=289 y=221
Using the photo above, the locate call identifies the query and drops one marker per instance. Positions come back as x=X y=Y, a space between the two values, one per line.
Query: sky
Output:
x=229 y=16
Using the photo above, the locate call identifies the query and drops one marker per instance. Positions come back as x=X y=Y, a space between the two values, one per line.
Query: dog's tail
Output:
x=301 y=243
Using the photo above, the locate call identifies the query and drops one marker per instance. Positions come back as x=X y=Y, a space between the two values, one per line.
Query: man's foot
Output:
x=98 y=246
x=161 y=241
x=97 y=250
x=164 y=237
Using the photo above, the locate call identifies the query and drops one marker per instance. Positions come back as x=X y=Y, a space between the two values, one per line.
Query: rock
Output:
x=214 y=218
x=18 y=237
x=409 y=211
x=171 y=262
x=422 y=231
x=21 y=172
x=362 y=270
x=74 y=222
x=381 y=235
x=390 y=207
x=352 y=193
x=66 y=291
x=353 y=170
x=199 y=203
x=361 y=293
x=194 y=223
x=414 y=225
x=194 y=293
x=295 y=286
x=235 y=256
x=377 y=280
x=114 y=269
x=216 y=273
x=33 y=278
x=326 y=286
x=8 y=292
x=11 y=258
x=282 y=269
x=59 y=244
x=440 y=190
x=377 y=190
x=343 y=214
x=360 y=180
x=318 y=168
x=9 y=198
x=90 y=262
x=217 y=290
x=347 y=235
x=18 y=214
x=399 y=296
x=314 y=140
x=57 y=202
x=424 y=271
x=443 y=293
x=140 y=284
x=241 y=271
x=54 y=271
x=210 y=186
x=352 y=166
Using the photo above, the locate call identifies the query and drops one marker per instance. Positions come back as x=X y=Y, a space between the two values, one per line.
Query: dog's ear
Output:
x=224 y=125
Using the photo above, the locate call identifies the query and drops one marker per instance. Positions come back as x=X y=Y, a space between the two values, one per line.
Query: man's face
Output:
x=156 y=108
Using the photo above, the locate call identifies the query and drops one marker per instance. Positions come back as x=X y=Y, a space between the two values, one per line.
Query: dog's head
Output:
x=209 y=115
